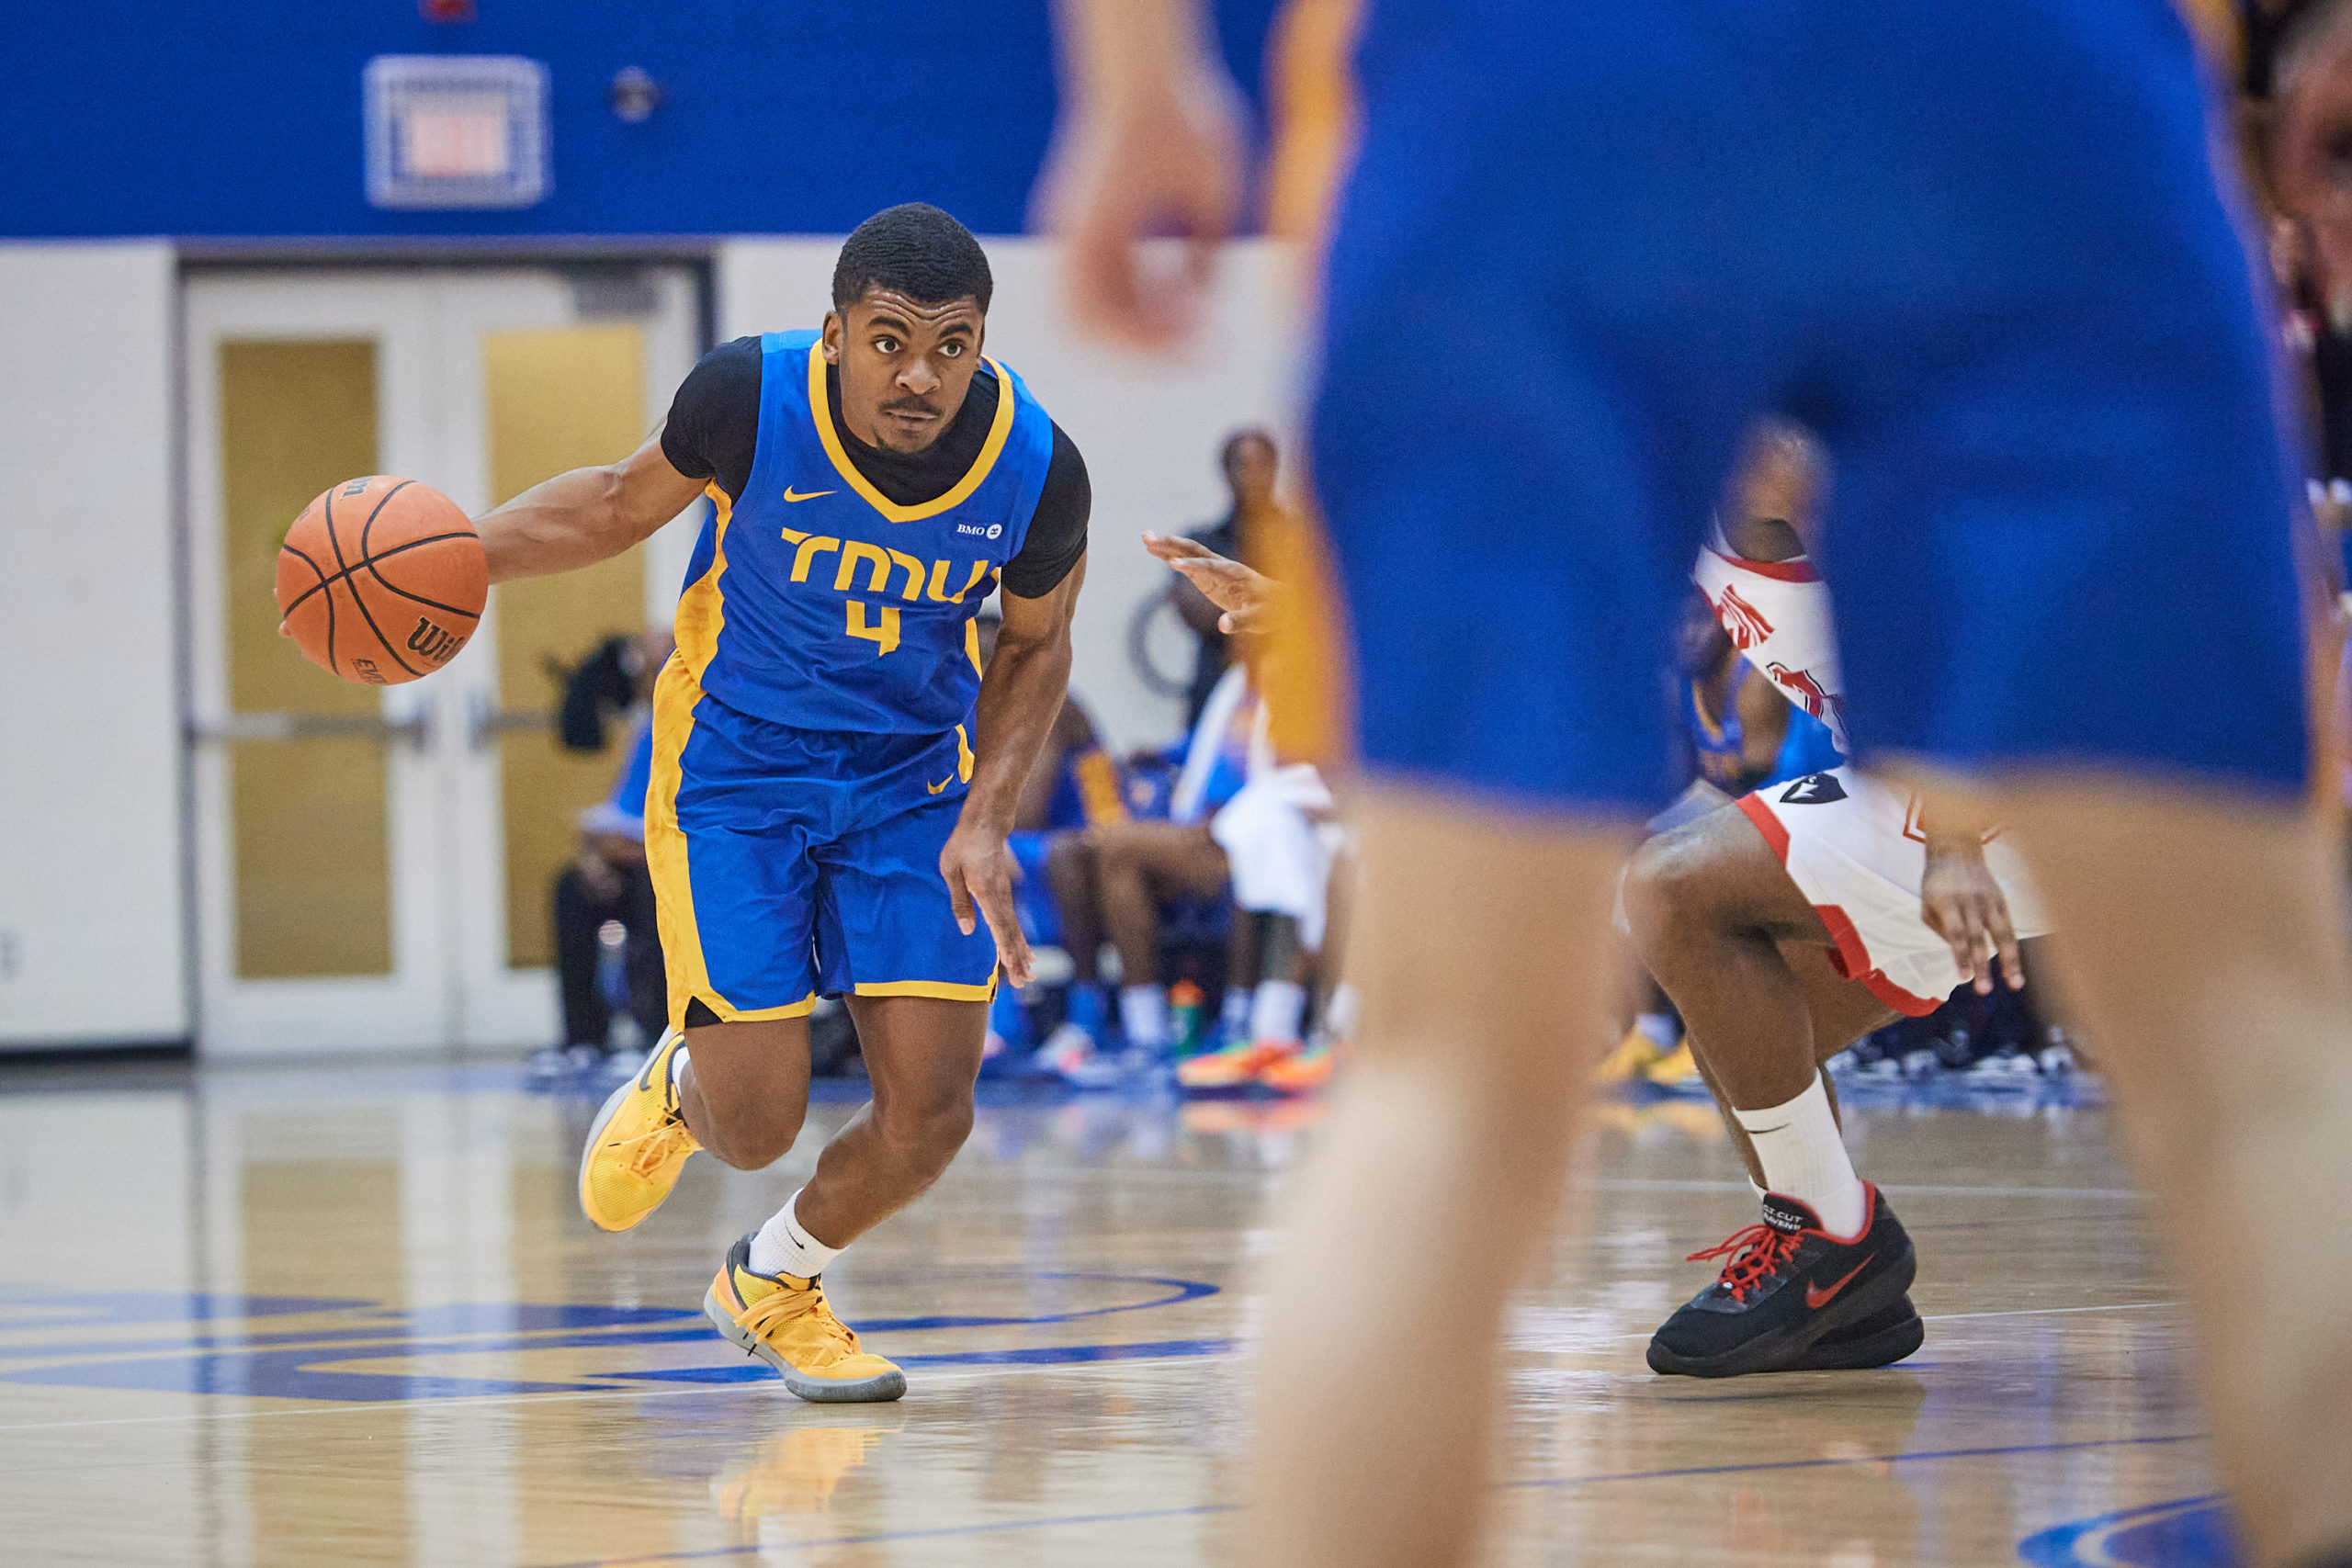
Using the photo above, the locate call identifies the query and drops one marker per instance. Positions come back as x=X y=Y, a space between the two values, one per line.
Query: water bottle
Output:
x=1187 y=1018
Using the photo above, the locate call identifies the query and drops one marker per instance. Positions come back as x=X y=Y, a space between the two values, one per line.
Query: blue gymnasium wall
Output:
x=242 y=118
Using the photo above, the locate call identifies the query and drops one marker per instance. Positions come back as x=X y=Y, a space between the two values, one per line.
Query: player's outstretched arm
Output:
x=1248 y=598
x=584 y=516
x=1151 y=145
x=1020 y=697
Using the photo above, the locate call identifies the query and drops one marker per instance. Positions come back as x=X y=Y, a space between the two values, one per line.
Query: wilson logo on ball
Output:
x=432 y=644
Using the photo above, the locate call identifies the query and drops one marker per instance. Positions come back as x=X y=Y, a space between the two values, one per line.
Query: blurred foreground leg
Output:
x=2203 y=936
x=1484 y=955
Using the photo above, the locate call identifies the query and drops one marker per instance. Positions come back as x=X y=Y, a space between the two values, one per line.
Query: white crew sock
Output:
x=1803 y=1157
x=677 y=1071
x=1143 y=1013
x=1233 y=1016
x=781 y=1246
x=1340 y=1013
x=1275 y=1008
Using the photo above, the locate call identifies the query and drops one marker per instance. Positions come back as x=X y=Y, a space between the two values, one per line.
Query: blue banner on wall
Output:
x=140 y=117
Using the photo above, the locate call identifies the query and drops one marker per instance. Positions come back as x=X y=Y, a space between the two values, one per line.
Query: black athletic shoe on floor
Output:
x=1789 y=1285
x=1879 y=1340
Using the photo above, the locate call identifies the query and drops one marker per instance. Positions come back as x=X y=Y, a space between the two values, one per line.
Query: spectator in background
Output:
x=1249 y=461
x=1112 y=880
x=607 y=884
x=1074 y=785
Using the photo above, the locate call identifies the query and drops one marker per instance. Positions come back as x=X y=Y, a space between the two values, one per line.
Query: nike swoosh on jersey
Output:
x=792 y=494
x=1816 y=1298
x=941 y=784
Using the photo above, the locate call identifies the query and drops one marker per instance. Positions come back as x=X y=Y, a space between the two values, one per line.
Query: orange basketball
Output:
x=382 y=580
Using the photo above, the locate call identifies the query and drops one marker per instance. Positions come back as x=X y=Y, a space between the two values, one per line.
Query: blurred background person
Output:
x=603 y=900
x=1250 y=461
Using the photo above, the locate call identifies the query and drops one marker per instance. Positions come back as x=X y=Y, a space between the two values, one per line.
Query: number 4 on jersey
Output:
x=883 y=633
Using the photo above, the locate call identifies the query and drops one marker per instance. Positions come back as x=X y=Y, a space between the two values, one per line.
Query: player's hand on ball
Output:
x=1247 y=597
x=1150 y=151
x=1961 y=902
x=980 y=871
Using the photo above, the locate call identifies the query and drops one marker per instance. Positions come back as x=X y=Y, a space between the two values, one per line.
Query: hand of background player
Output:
x=980 y=871
x=1962 y=904
x=1246 y=597
x=1152 y=150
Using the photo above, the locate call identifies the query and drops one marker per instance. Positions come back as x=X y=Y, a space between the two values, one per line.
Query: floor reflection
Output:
x=352 y=1314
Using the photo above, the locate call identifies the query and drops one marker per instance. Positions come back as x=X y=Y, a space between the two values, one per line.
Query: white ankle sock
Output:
x=1275 y=1008
x=1803 y=1157
x=1143 y=1013
x=781 y=1246
x=1233 y=1018
x=1340 y=1013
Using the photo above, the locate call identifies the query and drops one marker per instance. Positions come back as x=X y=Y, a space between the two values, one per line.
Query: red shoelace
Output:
x=1758 y=1252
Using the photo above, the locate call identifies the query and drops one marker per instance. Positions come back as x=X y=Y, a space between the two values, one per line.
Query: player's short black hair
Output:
x=916 y=249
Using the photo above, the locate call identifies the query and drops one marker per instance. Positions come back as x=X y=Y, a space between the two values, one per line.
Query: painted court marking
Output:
x=941 y=1366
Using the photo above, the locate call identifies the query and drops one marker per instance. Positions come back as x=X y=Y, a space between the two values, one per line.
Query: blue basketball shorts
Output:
x=1981 y=251
x=793 y=864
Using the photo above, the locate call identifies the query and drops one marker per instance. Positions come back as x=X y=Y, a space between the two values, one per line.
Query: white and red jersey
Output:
x=1777 y=616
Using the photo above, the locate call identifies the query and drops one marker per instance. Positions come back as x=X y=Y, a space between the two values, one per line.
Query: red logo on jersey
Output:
x=1742 y=620
x=1800 y=685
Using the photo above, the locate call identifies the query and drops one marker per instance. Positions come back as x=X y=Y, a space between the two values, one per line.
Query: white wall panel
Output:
x=1149 y=427
x=92 y=947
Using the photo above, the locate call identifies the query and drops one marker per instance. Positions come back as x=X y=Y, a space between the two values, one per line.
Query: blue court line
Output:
x=714 y=1555
x=1035 y=1356
x=1867 y=1459
x=1184 y=1290
x=2187 y=1532
x=302 y=1364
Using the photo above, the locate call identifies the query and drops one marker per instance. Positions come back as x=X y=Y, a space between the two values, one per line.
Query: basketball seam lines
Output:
x=332 y=667
x=321 y=576
x=328 y=581
x=369 y=615
x=388 y=587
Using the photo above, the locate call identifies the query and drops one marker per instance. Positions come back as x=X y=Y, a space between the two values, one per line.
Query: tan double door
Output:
x=374 y=867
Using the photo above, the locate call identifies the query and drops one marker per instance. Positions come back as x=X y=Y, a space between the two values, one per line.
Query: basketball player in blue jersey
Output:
x=1985 y=252
x=833 y=777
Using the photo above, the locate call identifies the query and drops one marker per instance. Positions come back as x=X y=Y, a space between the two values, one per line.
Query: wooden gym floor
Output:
x=352 y=1315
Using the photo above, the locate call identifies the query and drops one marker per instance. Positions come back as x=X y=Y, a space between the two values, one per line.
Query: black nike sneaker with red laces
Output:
x=1879 y=1340
x=1794 y=1298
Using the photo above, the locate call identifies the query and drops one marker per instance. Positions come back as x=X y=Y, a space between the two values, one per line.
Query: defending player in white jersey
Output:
x=1785 y=926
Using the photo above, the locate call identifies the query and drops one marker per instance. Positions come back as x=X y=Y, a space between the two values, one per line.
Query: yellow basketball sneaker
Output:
x=1676 y=1069
x=1634 y=1055
x=635 y=1144
x=785 y=1323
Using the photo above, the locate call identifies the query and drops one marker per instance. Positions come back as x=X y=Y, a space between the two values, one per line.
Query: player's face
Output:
x=1780 y=484
x=905 y=365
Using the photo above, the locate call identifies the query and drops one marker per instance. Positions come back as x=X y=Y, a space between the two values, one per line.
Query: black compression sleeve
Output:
x=714 y=424
x=1057 y=533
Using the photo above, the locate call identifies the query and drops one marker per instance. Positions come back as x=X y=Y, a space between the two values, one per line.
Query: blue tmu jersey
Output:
x=817 y=601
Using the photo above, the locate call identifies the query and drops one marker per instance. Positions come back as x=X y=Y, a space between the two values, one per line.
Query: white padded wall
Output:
x=92 y=944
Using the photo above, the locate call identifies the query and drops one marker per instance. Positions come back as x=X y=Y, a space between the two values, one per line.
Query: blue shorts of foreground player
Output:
x=1980 y=249
x=789 y=863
